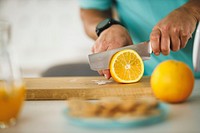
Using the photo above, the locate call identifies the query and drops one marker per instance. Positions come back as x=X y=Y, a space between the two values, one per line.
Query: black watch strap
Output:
x=105 y=24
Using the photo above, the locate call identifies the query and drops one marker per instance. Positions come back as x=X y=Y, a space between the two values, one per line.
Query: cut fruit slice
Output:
x=126 y=66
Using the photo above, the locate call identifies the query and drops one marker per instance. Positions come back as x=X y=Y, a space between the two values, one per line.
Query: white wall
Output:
x=45 y=33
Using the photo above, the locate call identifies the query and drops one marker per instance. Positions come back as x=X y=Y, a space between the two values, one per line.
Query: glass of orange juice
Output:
x=12 y=88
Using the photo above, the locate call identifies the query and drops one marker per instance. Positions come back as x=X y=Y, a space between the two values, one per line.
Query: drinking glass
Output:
x=12 y=87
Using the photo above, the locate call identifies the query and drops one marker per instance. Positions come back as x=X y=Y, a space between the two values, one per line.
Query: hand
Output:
x=173 y=32
x=114 y=37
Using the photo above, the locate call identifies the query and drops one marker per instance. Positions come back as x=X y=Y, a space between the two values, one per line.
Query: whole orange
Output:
x=172 y=81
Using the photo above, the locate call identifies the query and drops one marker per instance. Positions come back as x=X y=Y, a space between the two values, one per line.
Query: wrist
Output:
x=105 y=24
x=193 y=8
x=116 y=28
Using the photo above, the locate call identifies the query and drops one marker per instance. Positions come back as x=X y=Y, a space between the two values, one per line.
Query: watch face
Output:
x=103 y=23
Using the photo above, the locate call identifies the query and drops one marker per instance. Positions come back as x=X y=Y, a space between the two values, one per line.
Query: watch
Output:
x=105 y=24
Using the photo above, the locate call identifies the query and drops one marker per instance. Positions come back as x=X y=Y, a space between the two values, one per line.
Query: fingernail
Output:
x=157 y=53
x=106 y=76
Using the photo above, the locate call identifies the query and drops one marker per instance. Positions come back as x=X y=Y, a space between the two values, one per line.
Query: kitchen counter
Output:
x=48 y=116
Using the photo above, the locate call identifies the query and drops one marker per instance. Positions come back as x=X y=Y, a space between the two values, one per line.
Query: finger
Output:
x=100 y=72
x=92 y=49
x=175 y=40
x=165 y=42
x=184 y=37
x=106 y=73
x=99 y=46
x=155 y=41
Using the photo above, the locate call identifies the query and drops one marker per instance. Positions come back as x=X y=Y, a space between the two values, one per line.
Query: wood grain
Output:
x=60 y=88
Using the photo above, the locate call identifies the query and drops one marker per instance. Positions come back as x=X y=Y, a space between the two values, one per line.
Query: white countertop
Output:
x=48 y=116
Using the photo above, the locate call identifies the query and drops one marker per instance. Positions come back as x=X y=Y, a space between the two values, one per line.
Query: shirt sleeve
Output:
x=95 y=4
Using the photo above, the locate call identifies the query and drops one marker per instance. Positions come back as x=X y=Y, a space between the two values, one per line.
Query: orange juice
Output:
x=10 y=104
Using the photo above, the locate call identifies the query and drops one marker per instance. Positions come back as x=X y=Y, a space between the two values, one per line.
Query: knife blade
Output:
x=100 y=61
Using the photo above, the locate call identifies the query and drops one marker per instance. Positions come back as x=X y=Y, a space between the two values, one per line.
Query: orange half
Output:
x=126 y=66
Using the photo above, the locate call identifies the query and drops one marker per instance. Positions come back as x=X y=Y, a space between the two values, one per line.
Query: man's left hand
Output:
x=173 y=32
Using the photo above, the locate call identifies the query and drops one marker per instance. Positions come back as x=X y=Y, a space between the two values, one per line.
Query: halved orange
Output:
x=126 y=66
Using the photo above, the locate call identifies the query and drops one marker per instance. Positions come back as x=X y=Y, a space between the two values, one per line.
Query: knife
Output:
x=196 y=50
x=100 y=61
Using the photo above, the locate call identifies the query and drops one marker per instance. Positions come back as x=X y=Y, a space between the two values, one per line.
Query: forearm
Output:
x=193 y=7
x=91 y=18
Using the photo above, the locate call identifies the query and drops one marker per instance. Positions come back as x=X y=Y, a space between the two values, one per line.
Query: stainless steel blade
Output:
x=100 y=61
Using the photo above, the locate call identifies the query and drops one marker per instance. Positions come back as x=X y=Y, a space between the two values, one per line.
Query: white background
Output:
x=45 y=33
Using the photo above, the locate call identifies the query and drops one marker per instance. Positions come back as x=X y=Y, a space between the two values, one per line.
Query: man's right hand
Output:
x=115 y=36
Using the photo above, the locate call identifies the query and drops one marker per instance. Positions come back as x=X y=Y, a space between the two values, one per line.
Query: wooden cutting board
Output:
x=84 y=87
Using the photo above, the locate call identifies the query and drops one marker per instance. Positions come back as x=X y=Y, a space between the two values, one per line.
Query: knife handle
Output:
x=150 y=48
x=196 y=50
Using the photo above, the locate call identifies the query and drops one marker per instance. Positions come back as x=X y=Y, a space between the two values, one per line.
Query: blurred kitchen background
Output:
x=48 y=37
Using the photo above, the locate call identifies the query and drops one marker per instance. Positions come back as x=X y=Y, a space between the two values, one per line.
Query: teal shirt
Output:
x=139 y=17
